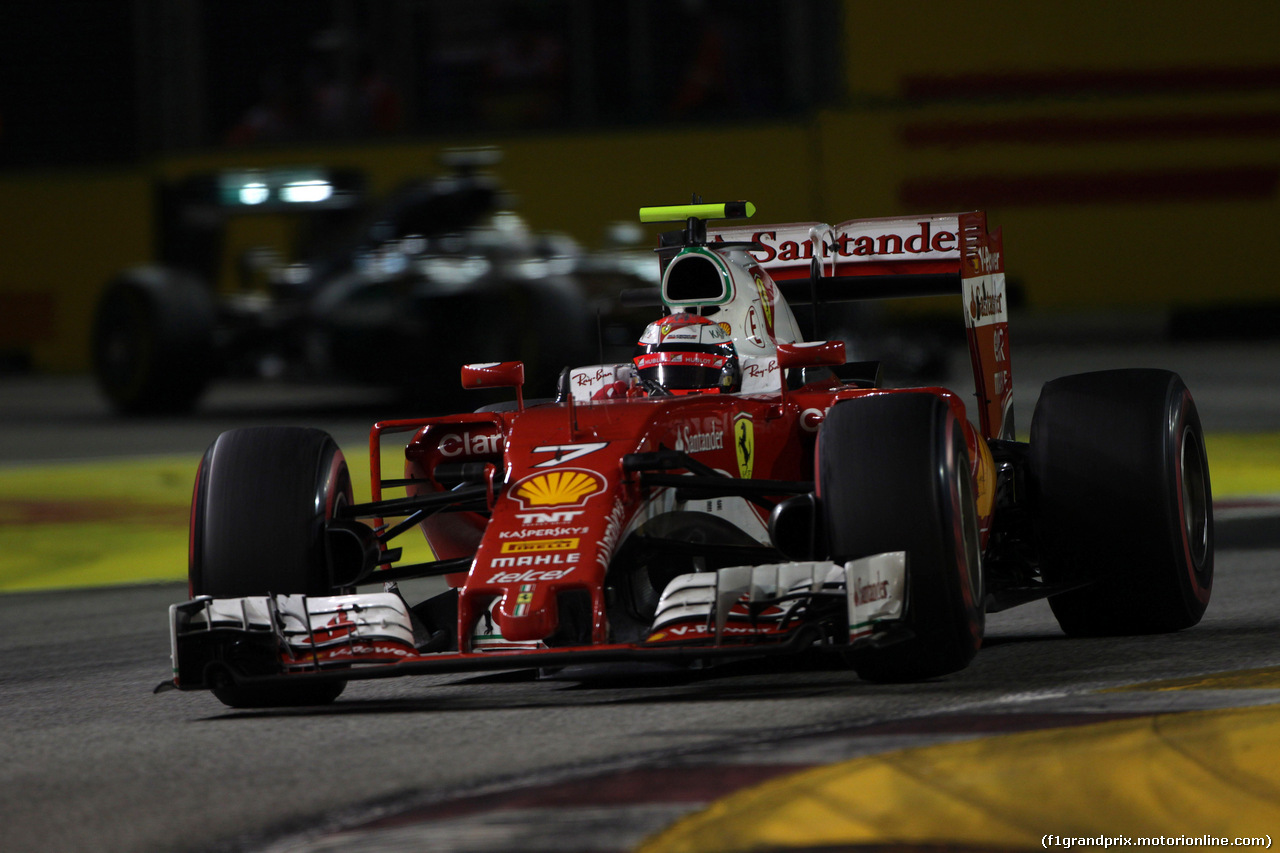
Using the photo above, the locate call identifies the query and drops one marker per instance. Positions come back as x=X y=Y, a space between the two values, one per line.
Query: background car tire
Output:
x=893 y=475
x=153 y=341
x=1124 y=503
x=262 y=497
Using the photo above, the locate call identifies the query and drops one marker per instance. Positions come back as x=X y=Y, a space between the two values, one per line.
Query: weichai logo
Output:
x=561 y=487
x=869 y=591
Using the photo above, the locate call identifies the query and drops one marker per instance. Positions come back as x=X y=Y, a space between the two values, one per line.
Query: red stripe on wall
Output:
x=1246 y=183
x=1074 y=130
x=1034 y=84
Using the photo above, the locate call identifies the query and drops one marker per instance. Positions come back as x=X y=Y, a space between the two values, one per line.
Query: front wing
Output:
x=741 y=611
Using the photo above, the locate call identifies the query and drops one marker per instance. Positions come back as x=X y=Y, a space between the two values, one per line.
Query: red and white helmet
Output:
x=688 y=354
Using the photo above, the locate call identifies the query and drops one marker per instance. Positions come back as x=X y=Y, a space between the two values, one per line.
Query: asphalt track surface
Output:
x=90 y=759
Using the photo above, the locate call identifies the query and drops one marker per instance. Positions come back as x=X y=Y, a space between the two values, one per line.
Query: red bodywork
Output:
x=569 y=501
x=560 y=500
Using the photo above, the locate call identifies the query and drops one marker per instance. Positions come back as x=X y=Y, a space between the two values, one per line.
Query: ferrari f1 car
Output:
x=732 y=491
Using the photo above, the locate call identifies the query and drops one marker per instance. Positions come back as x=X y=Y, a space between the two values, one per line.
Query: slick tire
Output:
x=261 y=500
x=1121 y=483
x=893 y=475
x=152 y=344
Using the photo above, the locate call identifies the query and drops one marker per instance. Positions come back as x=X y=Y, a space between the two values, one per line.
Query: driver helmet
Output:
x=688 y=354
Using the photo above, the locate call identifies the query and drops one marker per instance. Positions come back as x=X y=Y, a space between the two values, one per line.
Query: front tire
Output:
x=893 y=475
x=1121 y=478
x=261 y=500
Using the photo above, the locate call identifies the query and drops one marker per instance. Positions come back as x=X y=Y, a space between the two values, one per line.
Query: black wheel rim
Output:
x=969 y=533
x=124 y=346
x=1195 y=496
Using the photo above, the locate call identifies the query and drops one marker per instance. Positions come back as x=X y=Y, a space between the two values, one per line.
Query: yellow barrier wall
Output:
x=61 y=235
x=887 y=42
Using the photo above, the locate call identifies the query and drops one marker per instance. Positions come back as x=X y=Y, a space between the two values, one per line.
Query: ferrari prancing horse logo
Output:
x=744 y=444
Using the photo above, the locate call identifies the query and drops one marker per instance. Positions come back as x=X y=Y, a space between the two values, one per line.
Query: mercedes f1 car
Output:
x=733 y=491
x=374 y=288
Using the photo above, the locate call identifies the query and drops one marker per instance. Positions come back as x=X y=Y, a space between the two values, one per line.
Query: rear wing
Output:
x=895 y=246
x=897 y=257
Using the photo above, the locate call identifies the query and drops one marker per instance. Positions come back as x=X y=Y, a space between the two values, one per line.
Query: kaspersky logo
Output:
x=565 y=487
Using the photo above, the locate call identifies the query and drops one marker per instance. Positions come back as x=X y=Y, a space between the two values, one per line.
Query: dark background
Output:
x=115 y=81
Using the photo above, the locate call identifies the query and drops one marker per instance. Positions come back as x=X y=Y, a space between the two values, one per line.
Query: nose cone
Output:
x=527 y=612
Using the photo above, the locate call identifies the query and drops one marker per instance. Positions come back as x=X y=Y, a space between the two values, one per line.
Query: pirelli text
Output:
x=1108 y=841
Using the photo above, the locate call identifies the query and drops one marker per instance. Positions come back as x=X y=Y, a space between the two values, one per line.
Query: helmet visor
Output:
x=682 y=371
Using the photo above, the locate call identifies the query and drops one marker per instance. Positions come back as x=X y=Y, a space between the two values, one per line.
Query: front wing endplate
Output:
x=758 y=602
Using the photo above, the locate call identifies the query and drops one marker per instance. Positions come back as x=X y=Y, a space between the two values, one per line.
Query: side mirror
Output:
x=814 y=354
x=496 y=374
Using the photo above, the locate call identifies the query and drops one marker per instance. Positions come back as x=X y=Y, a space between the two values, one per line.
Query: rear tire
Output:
x=153 y=342
x=261 y=500
x=1124 y=503
x=893 y=475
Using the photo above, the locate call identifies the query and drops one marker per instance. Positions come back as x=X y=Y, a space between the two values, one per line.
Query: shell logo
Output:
x=766 y=303
x=563 y=487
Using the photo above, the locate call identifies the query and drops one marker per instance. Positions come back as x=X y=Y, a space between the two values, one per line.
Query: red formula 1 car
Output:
x=732 y=491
